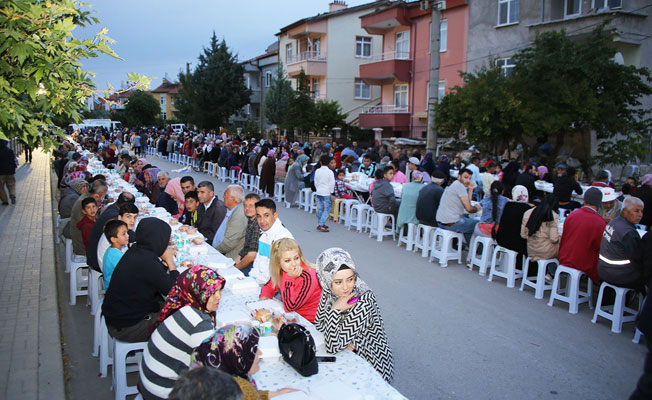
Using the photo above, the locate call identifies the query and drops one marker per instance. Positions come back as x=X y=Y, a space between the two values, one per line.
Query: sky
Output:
x=158 y=37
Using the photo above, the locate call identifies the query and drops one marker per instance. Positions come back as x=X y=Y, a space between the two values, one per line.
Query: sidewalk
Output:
x=31 y=364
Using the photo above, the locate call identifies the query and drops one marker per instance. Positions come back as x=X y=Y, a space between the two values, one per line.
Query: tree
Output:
x=41 y=79
x=485 y=108
x=328 y=115
x=96 y=114
x=214 y=90
x=301 y=113
x=142 y=109
x=278 y=98
x=569 y=89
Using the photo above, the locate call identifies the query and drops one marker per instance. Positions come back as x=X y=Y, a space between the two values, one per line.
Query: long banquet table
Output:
x=349 y=377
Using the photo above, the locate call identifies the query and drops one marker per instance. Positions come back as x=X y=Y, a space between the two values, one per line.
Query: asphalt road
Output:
x=454 y=335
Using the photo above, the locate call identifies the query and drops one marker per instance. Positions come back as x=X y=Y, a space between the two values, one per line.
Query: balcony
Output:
x=378 y=23
x=313 y=64
x=385 y=68
x=385 y=116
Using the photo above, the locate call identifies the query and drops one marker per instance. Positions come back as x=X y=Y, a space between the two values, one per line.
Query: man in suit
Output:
x=230 y=236
x=212 y=211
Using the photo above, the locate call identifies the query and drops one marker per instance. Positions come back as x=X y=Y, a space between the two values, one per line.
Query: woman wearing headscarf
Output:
x=281 y=167
x=109 y=158
x=407 y=211
x=428 y=164
x=294 y=179
x=644 y=192
x=173 y=188
x=234 y=350
x=508 y=234
x=510 y=173
x=267 y=172
x=149 y=188
x=348 y=314
x=540 y=227
x=444 y=166
x=544 y=174
x=185 y=322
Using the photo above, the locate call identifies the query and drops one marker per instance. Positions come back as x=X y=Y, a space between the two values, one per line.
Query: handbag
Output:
x=298 y=348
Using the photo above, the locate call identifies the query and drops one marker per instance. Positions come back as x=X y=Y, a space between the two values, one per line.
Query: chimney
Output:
x=337 y=5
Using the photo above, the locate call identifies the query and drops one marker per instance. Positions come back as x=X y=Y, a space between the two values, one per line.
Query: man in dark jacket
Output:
x=133 y=301
x=211 y=211
x=111 y=212
x=527 y=179
x=428 y=200
x=8 y=164
x=644 y=324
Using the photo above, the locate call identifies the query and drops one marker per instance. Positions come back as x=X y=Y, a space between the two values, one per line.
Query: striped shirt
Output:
x=169 y=348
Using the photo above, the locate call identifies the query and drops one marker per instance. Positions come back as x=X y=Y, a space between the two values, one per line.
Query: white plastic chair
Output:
x=539 y=281
x=279 y=194
x=407 y=236
x=482 y=258
x=442 y=247
x=422 y=239
x=122 y=365
x=618 y=313
x=503 y=265
x=571 y=294
x=378 y=222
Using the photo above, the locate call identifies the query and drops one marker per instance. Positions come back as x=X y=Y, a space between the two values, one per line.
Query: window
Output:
x=268 y=79
x=362 y=90
x=401 y=97
x=441 y=91
x=247 y=81
x=288 y=52
x=443 y=34
x=403 y=45
x=572 y=8
x=506 y=65
x=314 y=47
x=315 y=88
x=362 y=46
x=507 y=12
x=607 y=4
x=163 y=100
x=163 y=115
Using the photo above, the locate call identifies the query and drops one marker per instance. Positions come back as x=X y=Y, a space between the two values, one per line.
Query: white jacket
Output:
x=260 y=270
x=324 y=181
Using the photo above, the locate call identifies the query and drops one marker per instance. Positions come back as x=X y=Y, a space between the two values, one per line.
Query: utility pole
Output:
x=433 y=86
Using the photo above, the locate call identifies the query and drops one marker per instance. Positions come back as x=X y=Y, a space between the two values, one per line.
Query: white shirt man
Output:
x=272 y=229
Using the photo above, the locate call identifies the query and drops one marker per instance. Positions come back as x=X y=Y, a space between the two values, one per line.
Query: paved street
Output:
x=30 y=351
x=454 y=334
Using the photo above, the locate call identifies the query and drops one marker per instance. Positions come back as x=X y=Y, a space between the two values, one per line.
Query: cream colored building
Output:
x=330 y=47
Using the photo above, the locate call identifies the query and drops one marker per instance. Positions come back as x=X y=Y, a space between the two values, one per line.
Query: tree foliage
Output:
x=142 y=109
x=301 y=113
x=41 y=78
x=278 y=98
x=560 y=89
x=328 y=115
x=214 y=90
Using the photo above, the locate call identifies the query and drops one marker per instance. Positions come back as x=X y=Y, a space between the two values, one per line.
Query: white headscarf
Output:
x=520 y=194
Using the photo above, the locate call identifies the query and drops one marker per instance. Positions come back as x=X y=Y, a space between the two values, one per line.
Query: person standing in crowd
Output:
x=564 y=186
x=230 y=236
x=644 y=192
x=211 y=211
x=8 y=164
x=271 y=229
x=324 y=185
x=267 y=172
x=455 y=203
x=246 y=256
x=620 y=260
x=294 y=179
x=580 y=241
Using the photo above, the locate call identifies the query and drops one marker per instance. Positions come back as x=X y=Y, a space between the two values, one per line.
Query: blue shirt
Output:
x=487 y=208
x=219 y=235
x=109 y=262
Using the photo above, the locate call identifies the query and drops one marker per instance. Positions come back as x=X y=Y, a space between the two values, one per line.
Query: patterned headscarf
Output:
x=193 y=288
x=284 y=156
x=74 y=176
x=647 y=180
x=329 y=262
x=232 y=349
x=271 y=153
x=78 y=184
x=520 y=194
x=543 y=170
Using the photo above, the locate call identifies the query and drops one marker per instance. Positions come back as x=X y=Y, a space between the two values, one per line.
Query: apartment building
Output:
x=259 y=72
x=165 y=94
x=329 y=48
x=402 y=67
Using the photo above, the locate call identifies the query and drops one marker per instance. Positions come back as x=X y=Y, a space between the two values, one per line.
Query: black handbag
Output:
x=298 y=349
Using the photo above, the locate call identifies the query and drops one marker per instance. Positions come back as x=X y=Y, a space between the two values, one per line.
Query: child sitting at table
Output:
x=295 y=277
x=190 y=214
x=340 y=193
x=85 y=225
x=117 y=232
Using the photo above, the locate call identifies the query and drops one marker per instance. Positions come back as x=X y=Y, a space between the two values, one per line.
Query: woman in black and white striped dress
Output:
x=186 y=320
x=348 y=313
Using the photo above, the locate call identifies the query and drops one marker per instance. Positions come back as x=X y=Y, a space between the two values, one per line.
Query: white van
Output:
x=178 y=128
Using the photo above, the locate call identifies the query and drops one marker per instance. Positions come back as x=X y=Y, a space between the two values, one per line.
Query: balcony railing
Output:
x=306 y=56
x=389 y=56
x=385 y=109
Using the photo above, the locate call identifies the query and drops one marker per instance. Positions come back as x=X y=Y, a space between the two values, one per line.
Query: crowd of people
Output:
x=599 y=236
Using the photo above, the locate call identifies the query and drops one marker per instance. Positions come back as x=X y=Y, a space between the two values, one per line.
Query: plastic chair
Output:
x=244 y=180
x=407 y=236
x=571 y=294
x=182 y=159
x=637 y=336
x=234 y=176
x=345 y=210
x=78 y=280
x=422 y=238
x=121 y=366
x=97 y=329
x=95 y=289
x=618 y=313
x=358 y=216
x=482 y=259
x=279 y=196
x=105 y=347
x=304 y=198
x=442 y=247
x=538 y=282
x=223 y=174
x=378 y=229
x=503 y=265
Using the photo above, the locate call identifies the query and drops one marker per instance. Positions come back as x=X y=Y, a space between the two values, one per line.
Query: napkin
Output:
x=242 y=286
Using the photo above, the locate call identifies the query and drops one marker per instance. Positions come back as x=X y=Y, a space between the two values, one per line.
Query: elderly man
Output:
x=620 y=260
x=211 y=211
x=69 y=196
x=97 y=191
x=580 y=242
x=230 y=236
x=271 y=229
x=163 y=199
x=247 y=254
x=455 y=202
x=428 y=200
